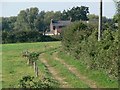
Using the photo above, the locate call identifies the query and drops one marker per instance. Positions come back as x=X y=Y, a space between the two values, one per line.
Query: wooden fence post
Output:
x=28 y=62
x=34 y=65
x=36 y=71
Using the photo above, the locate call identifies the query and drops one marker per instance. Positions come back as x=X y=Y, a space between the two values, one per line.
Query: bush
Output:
x=82 y=43
x=32 y=82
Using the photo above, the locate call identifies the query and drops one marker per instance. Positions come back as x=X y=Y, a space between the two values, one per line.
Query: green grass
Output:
x=44 y=72
x=99 y=77
x=14 y=65
x=63 y=72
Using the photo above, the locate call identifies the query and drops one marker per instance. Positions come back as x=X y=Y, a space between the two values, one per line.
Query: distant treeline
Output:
x=26 y=36
x=30 y=24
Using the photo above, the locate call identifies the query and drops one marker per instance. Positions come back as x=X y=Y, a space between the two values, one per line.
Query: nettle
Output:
x=33 y=56
x=31 y=82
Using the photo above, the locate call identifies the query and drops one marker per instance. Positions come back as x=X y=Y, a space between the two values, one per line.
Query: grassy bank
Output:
x=14 y=65
x=98 y=76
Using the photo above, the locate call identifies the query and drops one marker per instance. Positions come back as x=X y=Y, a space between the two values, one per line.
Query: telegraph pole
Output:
x=100 y=22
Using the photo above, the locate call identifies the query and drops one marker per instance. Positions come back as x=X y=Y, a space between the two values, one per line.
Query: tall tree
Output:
x=32 y=16
x=26 y=19
x=22 y=21
x=117 y=4
x=76 y=13
x=40 y=22
x=8 y=23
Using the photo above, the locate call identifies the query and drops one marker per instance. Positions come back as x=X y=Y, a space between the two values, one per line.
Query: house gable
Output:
x=56 y=26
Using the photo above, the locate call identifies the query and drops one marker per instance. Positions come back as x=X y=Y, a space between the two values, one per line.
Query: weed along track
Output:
x=55 y=73
x=73 y=70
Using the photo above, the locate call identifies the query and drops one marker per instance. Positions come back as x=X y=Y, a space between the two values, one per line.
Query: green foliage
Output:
x=25 y=36
x=8 y=23
x=76 y=13
x=30 y=24
x=21 y=36
x=83 y=45
x=107 y=23
x=71 y=32
x=93 y=16
x=117 y=16
x=33 y=56
x=32 y=82
x=100 y=77
x=117 y=3
x=32 y=19
x=26 y=18
x=26 y=82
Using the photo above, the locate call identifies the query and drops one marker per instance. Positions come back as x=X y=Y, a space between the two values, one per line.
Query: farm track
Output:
x=73 y=70
x=70 y=68
x=55 y=74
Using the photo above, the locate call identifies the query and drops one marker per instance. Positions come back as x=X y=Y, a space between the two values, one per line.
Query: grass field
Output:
x=14 y=67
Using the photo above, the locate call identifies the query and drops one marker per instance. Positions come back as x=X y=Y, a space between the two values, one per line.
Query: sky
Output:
x=12 y=8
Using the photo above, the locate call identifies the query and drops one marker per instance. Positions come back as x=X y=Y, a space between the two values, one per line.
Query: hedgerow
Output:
x=25 y=36
x=80 y=40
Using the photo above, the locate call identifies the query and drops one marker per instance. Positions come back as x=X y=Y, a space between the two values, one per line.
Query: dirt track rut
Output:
x=55 y=74
x=73 y=70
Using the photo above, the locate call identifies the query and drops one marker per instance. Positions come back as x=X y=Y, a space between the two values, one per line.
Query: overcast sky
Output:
x=12 y=8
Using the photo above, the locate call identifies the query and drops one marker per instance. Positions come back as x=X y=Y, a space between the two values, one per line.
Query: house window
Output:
x=53 y=27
